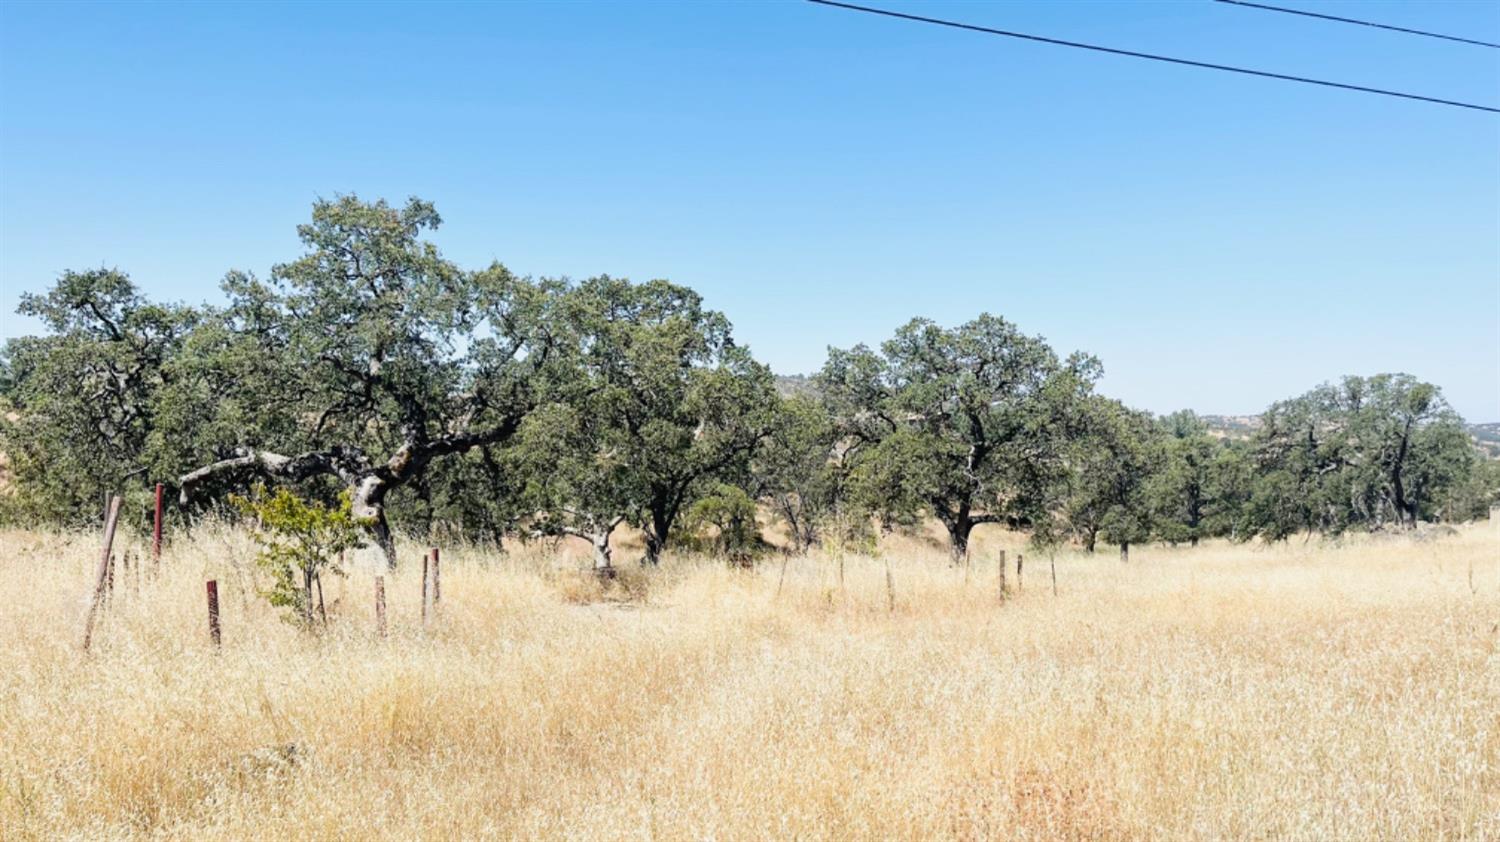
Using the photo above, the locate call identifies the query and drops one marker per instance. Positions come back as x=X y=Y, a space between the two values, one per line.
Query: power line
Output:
x=1321 y=16
x=1133 y=54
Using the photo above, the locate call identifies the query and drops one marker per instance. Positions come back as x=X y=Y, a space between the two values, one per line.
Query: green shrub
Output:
x=299 y=541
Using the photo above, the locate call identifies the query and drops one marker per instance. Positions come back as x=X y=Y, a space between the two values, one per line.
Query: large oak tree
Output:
x=971 y=423
x=372 y=355
x=664 y=402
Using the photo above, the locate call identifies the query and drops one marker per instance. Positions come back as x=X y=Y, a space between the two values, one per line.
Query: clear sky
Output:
x=819 y=175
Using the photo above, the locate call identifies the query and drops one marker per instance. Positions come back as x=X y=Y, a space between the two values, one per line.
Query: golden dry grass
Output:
x=1225 y=692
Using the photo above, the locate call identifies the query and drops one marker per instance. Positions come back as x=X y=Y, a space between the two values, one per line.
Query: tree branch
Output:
x=342 y=462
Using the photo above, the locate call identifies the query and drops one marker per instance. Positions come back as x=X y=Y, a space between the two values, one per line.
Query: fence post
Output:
x=437 y=579
x=1003 y=588
x=101 y=577
x=1053 y=559
x=890 y=587
x=212 y=587
x=380 y=605
x=1019 y=559
x=156 y=527
x=426 y=581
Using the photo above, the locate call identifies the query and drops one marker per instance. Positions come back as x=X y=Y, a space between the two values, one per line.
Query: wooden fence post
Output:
x=101 y=577
x=426 y=581
x=380 y=605
x=1053 y=559
x=156 y=527
x=437 y=579
x=890 y=587
x=1019 y=559
x=212 y=587
x=1003 y=588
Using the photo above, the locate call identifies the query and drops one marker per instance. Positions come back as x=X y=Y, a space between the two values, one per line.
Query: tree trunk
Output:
x=958 y=537
x=800 y=542
x=602 y=550
x=654 y=546
x=1090 y=540
x=322 y=609
x=1406 y=515
x=307 y=596
x=367 y=504
x=1125 y=551
x=662 y=515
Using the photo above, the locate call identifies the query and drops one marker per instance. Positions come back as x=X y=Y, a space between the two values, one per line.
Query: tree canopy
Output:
x=433 y=396
x=971 y=424
x=367 y=359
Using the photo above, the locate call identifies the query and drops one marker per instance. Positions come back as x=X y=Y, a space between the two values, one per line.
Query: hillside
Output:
x=1487 y=436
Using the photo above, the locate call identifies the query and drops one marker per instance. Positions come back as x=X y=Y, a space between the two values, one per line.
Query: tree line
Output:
x=500 y=407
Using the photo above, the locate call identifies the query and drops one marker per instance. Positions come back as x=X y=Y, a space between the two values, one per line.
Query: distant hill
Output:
x=1487 y=436
x=1231 y=426
x=796 y=385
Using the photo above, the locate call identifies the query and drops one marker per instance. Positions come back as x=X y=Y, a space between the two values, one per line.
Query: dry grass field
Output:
x=1307 y=691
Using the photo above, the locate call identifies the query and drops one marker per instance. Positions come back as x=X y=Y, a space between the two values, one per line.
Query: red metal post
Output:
x=156 y=527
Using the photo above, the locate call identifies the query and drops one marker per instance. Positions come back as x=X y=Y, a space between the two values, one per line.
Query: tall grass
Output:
x=1302 y=691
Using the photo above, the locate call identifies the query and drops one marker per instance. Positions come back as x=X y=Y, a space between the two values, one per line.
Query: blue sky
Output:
x=819 y=175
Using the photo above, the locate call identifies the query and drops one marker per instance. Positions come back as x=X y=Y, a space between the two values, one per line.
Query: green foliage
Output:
x=722 y=521
x=1471 y=497
x=971 y=424
x=1231 y=483
x=1190 y=491
x=299 y=540
x=81 y=406
x=1113 y=466
x=474 y=401
x=1367 y=452
x=368 y=359
x=796 y=470
x=664 y=404
x=474 y=496
x=577 y=481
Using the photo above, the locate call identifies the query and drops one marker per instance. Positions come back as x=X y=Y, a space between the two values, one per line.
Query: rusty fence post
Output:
x=101 y=576
x=212 y=587
x=156 y=527
x=380 y=605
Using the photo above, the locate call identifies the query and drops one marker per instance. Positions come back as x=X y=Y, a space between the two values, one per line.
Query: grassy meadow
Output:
x=1318 y=690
